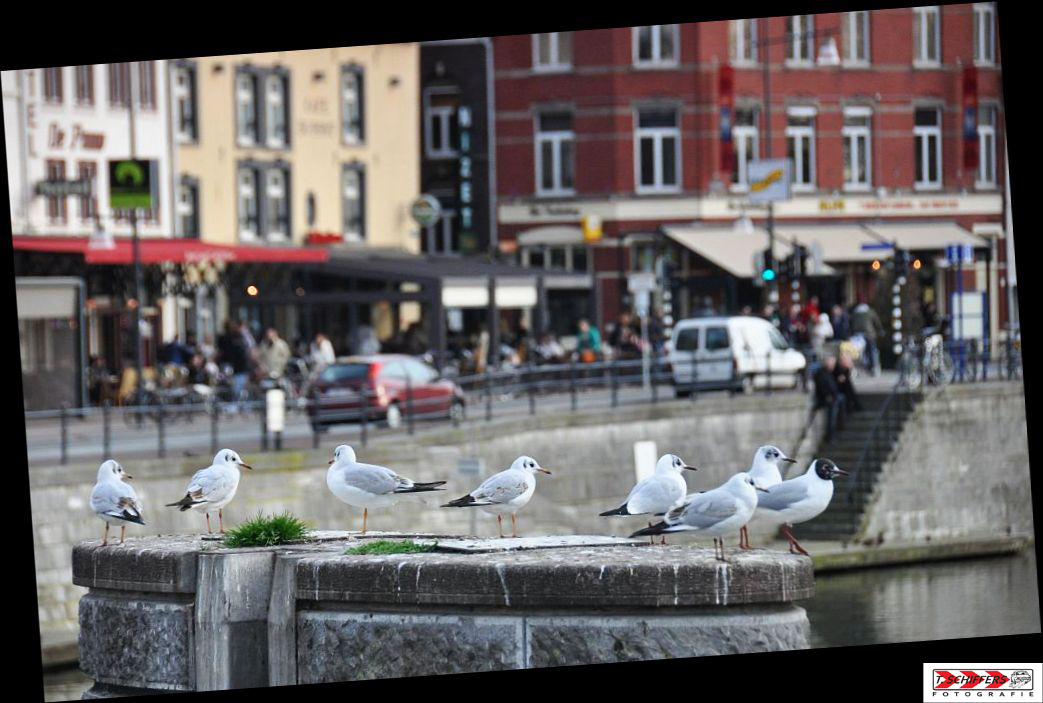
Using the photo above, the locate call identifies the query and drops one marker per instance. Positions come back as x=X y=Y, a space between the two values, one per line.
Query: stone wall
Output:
x=961 y=468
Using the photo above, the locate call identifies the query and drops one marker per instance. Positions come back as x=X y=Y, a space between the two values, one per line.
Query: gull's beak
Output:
x=762 y=490
x=127 y=476
x=331 y=462
x=690 y=468
x=246 y=466
x=544 y=471
x=788 y=460
x=840 y=471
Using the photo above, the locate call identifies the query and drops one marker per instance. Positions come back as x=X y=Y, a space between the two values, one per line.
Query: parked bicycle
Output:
x=926 y=360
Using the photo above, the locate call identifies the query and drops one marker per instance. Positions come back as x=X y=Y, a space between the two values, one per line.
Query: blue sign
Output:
x=881 y=245
x=959 y=253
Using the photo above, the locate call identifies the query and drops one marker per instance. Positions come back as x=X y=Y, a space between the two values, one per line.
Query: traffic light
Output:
x=801 y=255
x=769 y=272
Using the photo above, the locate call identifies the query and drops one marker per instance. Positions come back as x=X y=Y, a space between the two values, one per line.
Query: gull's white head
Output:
x=226 y=457
x=741 y=480
x=343 y=453
x=772 y=456
x=672 y=462
x=111 y=471
x=527 y=463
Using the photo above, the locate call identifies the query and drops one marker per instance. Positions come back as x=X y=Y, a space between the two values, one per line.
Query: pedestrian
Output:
x=707 y=309
x=233 y=351
x=588 y=342
x=841 y=324
x=821 y=330
x=274 y=354
x=842 y=374
x=828 y=395
x=321 y=352
x=866 y=322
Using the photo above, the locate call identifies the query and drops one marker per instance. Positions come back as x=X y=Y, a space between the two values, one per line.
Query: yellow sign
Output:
x=772 y=177
x=591 y=228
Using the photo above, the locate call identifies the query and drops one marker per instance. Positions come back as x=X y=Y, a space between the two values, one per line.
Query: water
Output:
x=941 y=600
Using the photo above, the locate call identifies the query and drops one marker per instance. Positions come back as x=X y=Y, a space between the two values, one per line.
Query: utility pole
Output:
x=136 y=246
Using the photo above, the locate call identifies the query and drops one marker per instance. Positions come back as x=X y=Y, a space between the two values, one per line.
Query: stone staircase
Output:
x=843 y=518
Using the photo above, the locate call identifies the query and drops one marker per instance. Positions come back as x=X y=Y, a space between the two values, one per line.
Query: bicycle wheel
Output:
x=909 y=371
x=941 y=368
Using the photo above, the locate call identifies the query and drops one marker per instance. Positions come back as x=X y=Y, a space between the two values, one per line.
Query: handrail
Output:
x=885 y=422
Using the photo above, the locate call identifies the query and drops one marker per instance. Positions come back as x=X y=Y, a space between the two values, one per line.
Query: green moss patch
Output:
x=386 y=546
x=264 y=531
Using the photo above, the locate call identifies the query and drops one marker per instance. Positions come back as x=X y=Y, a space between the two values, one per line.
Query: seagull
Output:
x=766 y=472
x=800 y=499
x=715 y=513
x=658 y=493
x=505 y=492
x=214 y=487
x=367 y=485
x=115 y=501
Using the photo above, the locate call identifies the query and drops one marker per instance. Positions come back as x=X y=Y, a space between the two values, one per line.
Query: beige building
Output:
x=276 y=146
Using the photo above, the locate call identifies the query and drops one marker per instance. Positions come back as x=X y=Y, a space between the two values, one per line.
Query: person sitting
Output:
x=588 y=342
x=842 y=374
x=828 y=395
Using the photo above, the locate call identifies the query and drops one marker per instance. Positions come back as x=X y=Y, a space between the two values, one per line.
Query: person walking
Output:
x=841 y=324
x=866 y=322
x=828 y=395
x=274 y=354
x=321 y=352
x=233 y=351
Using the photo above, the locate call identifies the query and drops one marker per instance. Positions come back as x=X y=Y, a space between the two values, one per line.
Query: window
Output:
x=688 y=340
x=746 y=144
x=643 y=256
x=354 y=203
x=717 y=338
x=984 y=33
x=147 y=84
x=986 y=147
x=249 y=225
x=275 y=115
x=188 y=207
x=56 y=204
x=88 y=171
x=927 y=135
x=119 y=84
x=743 y=41
x=52 y=85
x=855 y=38
x=579 y=259
x=185 y=102
x=656 y=45
x=351 y=104
x=246 y=108
x=800 y=49
x=777 y=340
x=443 y=237
x=84 y=85
x=276 y=198
x=552 y=51
x=555 y=146
x=856 y=135
x=800 y=146
x=441 y=130
x=657 y=151
x=926 y=37
x=568 y=257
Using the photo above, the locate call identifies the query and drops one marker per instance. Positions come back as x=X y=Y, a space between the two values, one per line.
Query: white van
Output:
x=737 y=353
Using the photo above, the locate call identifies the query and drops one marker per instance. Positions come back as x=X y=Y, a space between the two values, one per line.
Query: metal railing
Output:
x=888 y=423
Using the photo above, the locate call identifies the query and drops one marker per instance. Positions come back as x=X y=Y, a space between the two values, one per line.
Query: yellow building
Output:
x=275 y=146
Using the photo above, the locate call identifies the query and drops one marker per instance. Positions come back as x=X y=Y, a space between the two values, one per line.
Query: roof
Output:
x=155 y=251
x=389 y=264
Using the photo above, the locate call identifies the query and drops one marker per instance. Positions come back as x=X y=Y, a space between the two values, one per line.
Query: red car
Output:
x=383 y=377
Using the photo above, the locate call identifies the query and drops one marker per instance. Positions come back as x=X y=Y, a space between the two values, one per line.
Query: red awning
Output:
x=155 y=251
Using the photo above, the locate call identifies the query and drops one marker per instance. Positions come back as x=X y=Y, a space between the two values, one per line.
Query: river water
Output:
x=940 y=600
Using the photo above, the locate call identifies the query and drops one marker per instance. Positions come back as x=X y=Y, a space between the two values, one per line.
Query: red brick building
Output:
x=625 y=125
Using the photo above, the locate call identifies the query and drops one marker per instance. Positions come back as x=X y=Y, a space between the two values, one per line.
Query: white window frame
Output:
x=657 y=61
x=926 y=133
x=555 y=138
x=555 y=64
x=922 y=42
x=984 y=37
x=79 y=73
x=986 y=155
x=743 y=136
x=445 y=224
x=273 y=192
x=806 y=35
x=246 y=95
x=446 y=152
x=184 y=93
x=657 y=134
x=360 y=193
x=850 y=134
x=742 y=54
x=183 y=208
x=852 y=21
x=802 y=132
x=275 y=111
x=244 y=190
x=352 y=98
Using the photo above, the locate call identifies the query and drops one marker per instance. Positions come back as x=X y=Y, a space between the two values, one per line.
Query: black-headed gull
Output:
x=663 y=490
x=505 y=492
x=799 y=499
x=714 y=513
x=767 y=472
x=367 y=485
x=115 y=501
x=214 y=487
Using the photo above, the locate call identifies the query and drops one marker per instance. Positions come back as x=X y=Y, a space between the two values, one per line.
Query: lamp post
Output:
x=827 y=56
x=135 y=248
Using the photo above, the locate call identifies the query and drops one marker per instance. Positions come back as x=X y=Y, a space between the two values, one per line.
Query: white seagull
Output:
x=800 y=499
x=367 y=485
x=505 y=492
x=767 y=472
x=115 y=501
x=714 y=513
x=214 y=487
x=655 y=495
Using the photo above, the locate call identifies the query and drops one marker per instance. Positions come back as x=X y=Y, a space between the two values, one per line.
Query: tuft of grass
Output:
x=386 y=546
x=264 y=531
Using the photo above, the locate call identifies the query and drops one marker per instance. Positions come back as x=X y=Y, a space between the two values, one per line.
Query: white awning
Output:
x=918 y=236
x=550 y=235
x=731 y=249
x=838 y=243
x=509 y=294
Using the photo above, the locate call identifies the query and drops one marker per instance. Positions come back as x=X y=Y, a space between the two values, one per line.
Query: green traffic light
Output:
x=768 y=275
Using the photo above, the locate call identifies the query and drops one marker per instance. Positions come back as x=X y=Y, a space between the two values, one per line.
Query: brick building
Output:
x=625 y=125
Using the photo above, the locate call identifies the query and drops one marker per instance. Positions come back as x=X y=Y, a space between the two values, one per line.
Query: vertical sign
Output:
x=970 y=117
x=726 y=98
x=468 y=238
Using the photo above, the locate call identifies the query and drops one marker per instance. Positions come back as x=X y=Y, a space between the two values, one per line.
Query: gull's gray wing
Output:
x=501 y=488
x=704 y=510
x=783 y=495
x=651 y=496
x=117 y=500
x=371 y=478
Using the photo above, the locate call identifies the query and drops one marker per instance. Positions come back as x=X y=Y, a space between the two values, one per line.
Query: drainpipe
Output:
x=490 y=101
